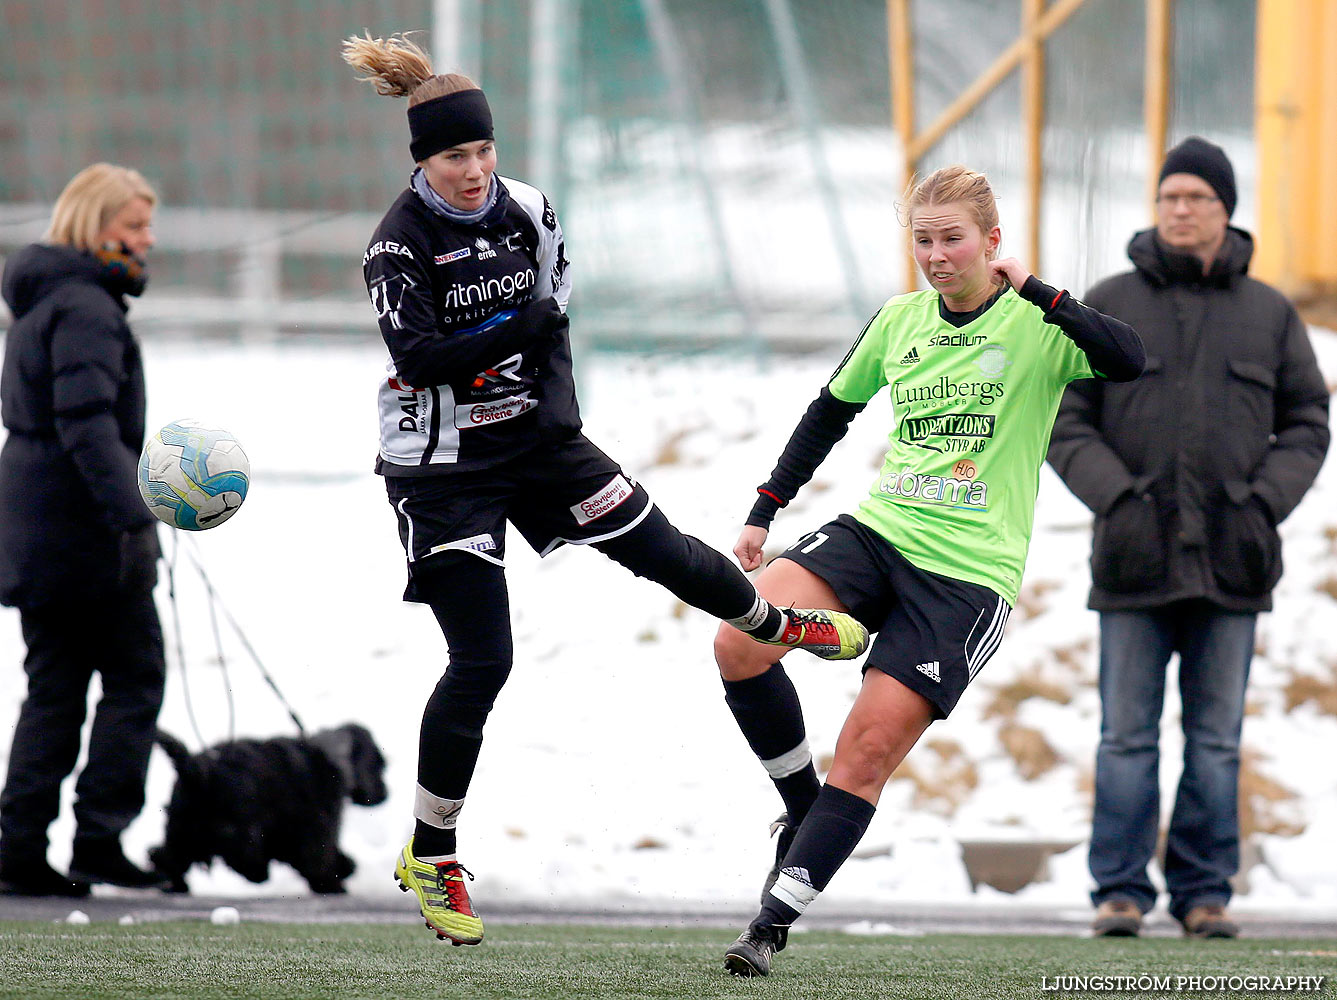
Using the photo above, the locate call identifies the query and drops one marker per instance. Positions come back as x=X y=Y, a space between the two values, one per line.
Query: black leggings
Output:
x=468 y=596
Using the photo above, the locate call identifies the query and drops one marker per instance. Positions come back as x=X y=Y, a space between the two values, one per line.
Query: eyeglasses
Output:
x=1191 y=200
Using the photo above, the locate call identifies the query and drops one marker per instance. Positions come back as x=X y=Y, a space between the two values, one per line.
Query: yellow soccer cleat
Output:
x=832 y=635
x=442 y=897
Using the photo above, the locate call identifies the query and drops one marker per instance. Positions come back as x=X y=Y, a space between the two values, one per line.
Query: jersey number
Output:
x=813 y=539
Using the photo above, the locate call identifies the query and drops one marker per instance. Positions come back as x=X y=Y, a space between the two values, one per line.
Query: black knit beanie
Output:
x=1199 y=157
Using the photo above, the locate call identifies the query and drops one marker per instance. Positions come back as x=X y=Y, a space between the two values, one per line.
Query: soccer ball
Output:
x=193 y=476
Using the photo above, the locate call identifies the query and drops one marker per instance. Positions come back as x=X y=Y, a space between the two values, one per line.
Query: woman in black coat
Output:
x=78 y=550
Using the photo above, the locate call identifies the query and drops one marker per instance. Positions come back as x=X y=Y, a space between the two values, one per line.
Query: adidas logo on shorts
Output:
x=930 y=670
x=911 y=357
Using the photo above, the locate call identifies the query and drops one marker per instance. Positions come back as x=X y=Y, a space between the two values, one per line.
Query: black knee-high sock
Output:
x=833 y=828
x=469 y=599
x=695 y=573
x=767 y=710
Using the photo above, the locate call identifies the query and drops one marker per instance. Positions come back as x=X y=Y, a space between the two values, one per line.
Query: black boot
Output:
x=103 y=861
x=34 y=877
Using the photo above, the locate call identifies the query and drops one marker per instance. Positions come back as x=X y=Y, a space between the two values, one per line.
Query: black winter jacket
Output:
x=72 y=399
x=1190 y=468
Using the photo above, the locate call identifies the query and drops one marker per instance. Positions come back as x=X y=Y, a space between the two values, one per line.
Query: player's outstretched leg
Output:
x=832 y=635
x=442 y=897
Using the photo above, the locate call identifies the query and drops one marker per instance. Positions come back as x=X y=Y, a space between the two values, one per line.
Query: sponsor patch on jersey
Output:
x=993 y=360
x=460 y=254
x=386 y=246
x=469 y=415
x=549 y=216
x=605 y=501
x=474 y=543
x=961 y=490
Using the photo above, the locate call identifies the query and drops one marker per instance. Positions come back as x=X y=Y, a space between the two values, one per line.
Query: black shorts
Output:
x=934 y=633
x=566 y=491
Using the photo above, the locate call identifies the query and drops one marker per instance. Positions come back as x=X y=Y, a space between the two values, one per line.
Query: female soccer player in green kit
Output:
x=932 y=558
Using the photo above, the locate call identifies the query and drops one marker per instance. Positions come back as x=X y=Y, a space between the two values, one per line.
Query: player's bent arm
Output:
x=825 y=422
x=441 y=358
x=749 y=549
x=1112 y=347
x=423 y=353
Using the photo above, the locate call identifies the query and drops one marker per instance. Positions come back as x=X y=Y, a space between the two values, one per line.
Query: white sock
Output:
x=437 y=859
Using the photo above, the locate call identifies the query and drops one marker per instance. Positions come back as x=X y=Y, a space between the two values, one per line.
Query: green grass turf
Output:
x=562 y=962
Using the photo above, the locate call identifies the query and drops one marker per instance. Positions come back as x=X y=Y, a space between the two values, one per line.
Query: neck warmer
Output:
x=443 y=208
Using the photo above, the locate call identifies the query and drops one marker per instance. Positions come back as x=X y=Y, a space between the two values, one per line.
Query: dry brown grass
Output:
x=1304 y=688
x=1076 y=658
x=1008 y=697
x=942 y=775
x=1029 y=750
x=1318 y=307
x=670 y=452
x=1032 y=599
x=1260 y=798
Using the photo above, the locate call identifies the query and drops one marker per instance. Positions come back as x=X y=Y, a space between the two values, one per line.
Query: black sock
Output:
x=833 y=828
x=768 y=712
x=695 y=573
x=432 y=841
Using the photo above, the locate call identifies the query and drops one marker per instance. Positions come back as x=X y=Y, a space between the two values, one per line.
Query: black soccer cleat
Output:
x=783 y=831
x=751 y=954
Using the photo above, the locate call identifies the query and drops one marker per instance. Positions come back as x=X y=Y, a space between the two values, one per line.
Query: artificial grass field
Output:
x=563 y=961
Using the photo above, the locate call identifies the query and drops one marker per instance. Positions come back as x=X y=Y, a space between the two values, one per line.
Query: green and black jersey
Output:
x=973 y=406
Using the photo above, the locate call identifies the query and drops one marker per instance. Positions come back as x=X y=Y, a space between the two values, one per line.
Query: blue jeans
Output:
x=1202 y=847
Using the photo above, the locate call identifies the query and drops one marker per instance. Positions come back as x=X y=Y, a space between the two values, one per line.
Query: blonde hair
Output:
x=955 y=184
x=91 y=200
x=397 y=67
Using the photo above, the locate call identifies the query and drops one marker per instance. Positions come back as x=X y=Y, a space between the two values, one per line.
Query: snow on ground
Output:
x=612 y=770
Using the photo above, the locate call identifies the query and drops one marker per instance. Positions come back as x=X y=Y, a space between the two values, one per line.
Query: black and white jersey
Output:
x=473 y=317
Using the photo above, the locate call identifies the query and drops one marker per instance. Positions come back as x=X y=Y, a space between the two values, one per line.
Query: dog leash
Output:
x=181 y=646
x=216 y=603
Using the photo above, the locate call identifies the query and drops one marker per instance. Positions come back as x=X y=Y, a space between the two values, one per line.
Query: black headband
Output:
x=448 y=121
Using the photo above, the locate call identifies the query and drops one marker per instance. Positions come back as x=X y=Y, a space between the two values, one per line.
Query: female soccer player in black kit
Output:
x=479 y=426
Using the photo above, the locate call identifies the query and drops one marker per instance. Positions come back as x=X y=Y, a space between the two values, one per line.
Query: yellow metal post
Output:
x=1296 y=133
x=901 y=41
x=1156 y=95
x=1033 y=110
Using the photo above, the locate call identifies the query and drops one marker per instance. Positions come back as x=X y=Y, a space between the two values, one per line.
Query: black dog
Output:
x=251 y=802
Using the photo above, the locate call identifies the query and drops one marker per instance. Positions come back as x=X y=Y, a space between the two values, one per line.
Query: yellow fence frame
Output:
x=1039 y=20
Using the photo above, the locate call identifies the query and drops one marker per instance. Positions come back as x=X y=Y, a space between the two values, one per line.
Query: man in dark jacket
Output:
x=78 y=551
x=1188 y=470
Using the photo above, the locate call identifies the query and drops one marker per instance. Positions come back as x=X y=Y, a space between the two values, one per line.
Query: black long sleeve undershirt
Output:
x=1113 y=348
x=825 y=422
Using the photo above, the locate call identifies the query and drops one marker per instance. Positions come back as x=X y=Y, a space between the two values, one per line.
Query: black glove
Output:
x=138 y=552
x=543 y=318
